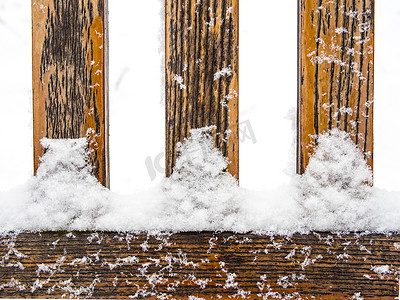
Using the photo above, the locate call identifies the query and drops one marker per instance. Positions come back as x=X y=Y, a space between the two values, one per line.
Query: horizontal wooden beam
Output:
x=336 y=73
x=70 y=77
x=203 y=264
x=202 y=68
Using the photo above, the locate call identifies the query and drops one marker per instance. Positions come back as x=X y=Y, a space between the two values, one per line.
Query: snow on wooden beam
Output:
x=70 y=76
x=336 y=73
x=202 y=74
x=204 y=265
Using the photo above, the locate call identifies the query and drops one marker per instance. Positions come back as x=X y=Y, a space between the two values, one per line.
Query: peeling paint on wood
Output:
x=70 y=76
x=336 y=73
x=202 y=74
x=203 y=264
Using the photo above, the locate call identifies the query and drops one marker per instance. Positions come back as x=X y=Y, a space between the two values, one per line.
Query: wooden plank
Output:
x=202 y=74
x=69 y=41
x=336 y=73
x=205 y=265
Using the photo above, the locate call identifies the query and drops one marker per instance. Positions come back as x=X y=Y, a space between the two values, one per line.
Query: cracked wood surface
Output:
x=336 y=73
x=70 y=76
x=203 y=264
x=201 y=86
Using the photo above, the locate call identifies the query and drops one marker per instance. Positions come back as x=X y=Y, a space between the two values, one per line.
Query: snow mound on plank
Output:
x=65 y=194
x=335 y=190
x=201 y=194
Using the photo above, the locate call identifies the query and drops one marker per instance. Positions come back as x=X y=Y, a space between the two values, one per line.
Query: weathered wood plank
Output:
x=202 y=74
x=206 y=265
x=70 y=76
x=336 y=73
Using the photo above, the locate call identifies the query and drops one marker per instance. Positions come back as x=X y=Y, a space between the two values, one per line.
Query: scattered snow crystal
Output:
x=179 y=81
x=334 y=190
x=227 y=71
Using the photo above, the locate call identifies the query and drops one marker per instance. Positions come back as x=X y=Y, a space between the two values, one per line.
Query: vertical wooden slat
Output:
x=70 y=76
x=202 y=74
x=336 y=71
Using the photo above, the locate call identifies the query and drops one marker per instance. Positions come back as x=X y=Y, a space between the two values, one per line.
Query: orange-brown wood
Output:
x=202 y=74
x=336 y=73
x=205 y=265
x=69 y=42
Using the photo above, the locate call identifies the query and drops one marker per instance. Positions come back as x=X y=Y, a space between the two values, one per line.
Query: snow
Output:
x=64 y=194
x=333 y=195
x=179 y=81
x=335 y=189
x=381 y=270
x=227 y=71
x=200 y=194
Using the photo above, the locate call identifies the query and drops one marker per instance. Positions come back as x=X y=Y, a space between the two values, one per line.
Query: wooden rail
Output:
x=70 y=76
x=70 y=101
x=204 y=265
x=202 y=69
x=336 y=74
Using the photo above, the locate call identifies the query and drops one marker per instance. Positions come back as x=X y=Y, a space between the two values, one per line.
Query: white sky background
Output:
x=268 y=84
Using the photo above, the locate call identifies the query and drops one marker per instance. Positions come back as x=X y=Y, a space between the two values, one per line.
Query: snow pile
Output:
x=335 y=191
x=333 y=195
x=201 y=194
x=65 y=195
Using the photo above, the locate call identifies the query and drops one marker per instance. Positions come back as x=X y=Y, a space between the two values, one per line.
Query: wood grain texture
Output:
x=205 y=265
x=336 y=73
x=70 y=76
x=202 y=74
